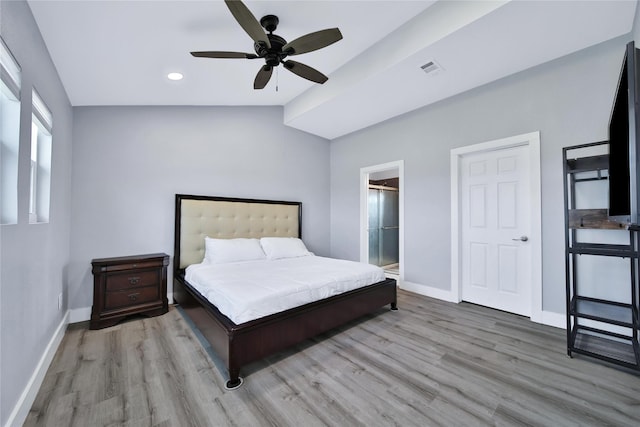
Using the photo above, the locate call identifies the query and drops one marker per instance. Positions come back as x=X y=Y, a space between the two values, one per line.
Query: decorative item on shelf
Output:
x=124 y=286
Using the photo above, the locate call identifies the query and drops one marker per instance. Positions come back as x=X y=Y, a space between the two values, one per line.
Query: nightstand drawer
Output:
x=132 y=279
x=128 y=298
x=134 y=265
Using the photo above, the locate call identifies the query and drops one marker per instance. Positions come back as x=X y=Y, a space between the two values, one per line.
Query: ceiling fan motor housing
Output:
x=273 y=55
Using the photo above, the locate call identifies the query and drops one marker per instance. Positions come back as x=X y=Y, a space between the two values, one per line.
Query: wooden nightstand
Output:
x=128 y=285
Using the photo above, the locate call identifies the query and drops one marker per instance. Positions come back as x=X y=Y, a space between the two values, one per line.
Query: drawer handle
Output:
x=134 y=280
x=133 y=297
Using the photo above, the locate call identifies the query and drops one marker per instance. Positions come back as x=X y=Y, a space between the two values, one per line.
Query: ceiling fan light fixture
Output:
x=175 y=76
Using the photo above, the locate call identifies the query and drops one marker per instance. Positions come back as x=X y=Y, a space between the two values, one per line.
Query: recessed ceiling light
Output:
x=174 y=76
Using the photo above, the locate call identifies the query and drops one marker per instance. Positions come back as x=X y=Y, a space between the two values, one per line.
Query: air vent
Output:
x=431 y=67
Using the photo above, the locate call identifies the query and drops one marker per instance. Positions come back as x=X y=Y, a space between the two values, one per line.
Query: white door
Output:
x=496 y=224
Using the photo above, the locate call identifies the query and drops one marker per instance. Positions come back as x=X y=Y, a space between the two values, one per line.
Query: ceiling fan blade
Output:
x=247 y=21
x=312 y=41
x=221 y=54
x=305 y=71
x=263 y=77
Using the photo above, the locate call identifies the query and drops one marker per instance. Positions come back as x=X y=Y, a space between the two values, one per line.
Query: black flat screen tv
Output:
x=624 y=146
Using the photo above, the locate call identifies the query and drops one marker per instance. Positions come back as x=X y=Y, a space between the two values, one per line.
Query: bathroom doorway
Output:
x=384 y=221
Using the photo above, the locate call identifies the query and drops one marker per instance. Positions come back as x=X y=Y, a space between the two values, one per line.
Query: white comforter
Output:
x=245 y=291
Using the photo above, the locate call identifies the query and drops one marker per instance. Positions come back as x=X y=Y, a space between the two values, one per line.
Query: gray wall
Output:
x=33 y=256
x=129 y=162
x=568 y=100
x=636 y=26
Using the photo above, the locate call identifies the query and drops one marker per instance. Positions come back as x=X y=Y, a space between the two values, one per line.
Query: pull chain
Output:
x=277 y=77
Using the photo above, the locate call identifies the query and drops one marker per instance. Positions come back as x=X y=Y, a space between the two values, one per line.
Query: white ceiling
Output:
x=119 y=52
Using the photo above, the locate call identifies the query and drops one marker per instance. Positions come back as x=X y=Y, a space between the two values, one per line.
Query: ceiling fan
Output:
x=273 y=48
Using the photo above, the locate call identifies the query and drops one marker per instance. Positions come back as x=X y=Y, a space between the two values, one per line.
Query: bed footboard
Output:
x=239 y=345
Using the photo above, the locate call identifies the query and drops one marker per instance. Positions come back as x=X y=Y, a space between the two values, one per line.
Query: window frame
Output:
x=40 y=159
x=10 y=92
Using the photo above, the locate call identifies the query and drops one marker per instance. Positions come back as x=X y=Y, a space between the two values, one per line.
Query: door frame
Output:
x=364 y=210
x=532 y=140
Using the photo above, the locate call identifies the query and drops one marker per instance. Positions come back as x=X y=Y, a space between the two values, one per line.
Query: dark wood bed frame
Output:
x=239 y=345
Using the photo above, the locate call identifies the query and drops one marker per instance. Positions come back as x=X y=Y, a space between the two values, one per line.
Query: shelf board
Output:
x=603 y=311
x=623 y=251
x=594 y=218
x=586 y=164
x=606 y=349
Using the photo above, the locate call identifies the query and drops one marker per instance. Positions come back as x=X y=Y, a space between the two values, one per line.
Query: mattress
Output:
x=245 y=291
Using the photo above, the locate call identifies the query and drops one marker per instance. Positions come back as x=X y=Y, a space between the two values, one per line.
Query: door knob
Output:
x=522 y=238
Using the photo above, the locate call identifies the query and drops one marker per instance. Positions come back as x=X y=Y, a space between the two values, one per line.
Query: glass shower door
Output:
x=374 y=227
x=383 y=227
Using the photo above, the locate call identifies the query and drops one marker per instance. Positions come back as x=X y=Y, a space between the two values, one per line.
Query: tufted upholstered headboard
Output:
x=227 y=218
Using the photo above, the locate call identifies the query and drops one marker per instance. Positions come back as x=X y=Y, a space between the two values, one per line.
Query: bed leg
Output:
x=394 y=306
x=235 y=381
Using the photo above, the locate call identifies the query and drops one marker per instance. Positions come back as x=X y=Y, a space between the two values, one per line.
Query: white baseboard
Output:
x=428 y=291
x=28 y=396
x=557 y=320
x=549 y=318
x=79 y=314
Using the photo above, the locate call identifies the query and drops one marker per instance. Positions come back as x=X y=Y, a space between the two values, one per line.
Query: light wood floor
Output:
x=430 y=363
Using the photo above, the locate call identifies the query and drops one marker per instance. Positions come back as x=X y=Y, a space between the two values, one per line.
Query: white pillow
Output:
x=283 y=247
x=222 y=251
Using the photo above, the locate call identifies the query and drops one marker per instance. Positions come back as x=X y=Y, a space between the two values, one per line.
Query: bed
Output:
x=238 y=344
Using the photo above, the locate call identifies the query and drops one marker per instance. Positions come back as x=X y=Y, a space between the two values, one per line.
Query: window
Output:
x=40 y=188
x=9 y=135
